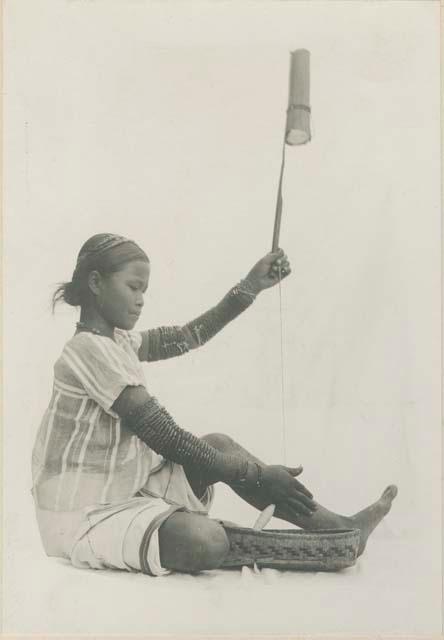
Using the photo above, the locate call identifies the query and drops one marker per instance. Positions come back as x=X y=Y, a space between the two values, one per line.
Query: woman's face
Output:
x=120 y=300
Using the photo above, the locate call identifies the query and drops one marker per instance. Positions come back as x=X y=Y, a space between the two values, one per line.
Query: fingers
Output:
x=280 y=263
x=276 y=257
x=273 y=255
x=295 y=471
x=280 y=267
x=300 y=508
x=281 y=271
x=291 y=509
x=300 y=487
x=301 y=497
x=288 y=512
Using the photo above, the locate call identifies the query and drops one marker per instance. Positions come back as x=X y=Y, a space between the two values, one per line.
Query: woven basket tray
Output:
x=293 y=548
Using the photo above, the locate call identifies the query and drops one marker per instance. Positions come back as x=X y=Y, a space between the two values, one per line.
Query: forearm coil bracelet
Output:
x=154 y=425
x=233 y=304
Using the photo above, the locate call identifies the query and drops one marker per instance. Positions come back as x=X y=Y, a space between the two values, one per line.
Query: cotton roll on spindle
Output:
x=298 y=113
x=264 y=517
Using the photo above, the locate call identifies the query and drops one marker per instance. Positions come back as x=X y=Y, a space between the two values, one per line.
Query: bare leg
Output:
x=366 y=520
x=191 y=543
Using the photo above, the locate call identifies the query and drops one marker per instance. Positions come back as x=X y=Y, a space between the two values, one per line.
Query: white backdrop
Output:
x=163 y=122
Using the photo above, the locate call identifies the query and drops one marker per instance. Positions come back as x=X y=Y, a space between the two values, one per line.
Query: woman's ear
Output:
x=95 y=282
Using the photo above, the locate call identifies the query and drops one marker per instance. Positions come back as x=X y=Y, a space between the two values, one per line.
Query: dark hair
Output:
x=105 y=253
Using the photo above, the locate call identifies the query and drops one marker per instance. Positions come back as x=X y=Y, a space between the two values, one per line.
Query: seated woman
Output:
x=116 y=482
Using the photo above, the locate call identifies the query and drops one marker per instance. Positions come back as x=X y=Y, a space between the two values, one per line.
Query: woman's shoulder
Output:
x=84 y=347
x=74 y=352
x=98 y=365
x=80 y=341
x=88 y=346
x=80 y=347
x=86 y=338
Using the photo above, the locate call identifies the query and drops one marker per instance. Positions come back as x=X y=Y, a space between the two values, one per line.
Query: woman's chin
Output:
x=134 y=320
x=128 y=324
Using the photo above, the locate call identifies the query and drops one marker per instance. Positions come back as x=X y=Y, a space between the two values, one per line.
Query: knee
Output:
x=210 y=547
x=192 y=543
x=220 y=441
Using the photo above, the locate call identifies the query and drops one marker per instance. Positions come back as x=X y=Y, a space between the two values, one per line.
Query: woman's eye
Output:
x=133 y=287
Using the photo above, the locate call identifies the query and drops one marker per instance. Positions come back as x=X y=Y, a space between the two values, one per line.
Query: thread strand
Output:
x=284 y=425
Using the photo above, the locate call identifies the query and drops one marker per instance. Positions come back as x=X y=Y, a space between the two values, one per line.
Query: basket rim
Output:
x=312 y=534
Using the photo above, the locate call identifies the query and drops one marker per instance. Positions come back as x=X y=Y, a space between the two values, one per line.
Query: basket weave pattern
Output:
x=293 y=549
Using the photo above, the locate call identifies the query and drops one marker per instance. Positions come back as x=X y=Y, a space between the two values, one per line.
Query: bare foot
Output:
x=368 y=519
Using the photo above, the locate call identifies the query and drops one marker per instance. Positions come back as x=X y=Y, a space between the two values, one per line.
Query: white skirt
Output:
x=110 y=535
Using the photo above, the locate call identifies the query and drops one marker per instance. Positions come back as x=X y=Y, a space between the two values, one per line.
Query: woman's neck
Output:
x=94 y=321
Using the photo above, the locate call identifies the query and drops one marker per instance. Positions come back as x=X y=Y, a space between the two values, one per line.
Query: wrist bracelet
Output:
x=259 y=476
x=242 y=475
x=242 y=478
x=246 y=287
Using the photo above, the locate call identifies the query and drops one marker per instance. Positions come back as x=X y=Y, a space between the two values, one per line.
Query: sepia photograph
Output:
x=222 y=319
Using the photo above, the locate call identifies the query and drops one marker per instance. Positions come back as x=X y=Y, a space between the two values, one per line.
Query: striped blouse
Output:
x=83 y=454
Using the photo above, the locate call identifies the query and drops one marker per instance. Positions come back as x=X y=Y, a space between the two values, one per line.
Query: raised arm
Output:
x=168 y=342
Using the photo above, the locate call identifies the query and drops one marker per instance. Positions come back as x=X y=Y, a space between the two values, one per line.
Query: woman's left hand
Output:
x=269 y=270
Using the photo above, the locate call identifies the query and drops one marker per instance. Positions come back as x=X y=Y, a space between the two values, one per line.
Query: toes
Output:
x=390 y=492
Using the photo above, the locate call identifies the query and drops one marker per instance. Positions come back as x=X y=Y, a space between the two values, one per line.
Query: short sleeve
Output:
x=134 y=338
x=101 y=367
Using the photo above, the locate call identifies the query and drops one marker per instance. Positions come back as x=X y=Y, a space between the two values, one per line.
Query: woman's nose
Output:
x=140 y=301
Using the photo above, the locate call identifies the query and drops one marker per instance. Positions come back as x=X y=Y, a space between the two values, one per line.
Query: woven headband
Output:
x=109 y=242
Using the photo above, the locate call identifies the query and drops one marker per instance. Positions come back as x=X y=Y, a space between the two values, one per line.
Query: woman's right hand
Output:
x=284 y=490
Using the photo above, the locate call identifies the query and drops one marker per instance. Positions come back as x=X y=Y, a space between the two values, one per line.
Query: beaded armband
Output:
x=154 y=425
x=165 y=342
